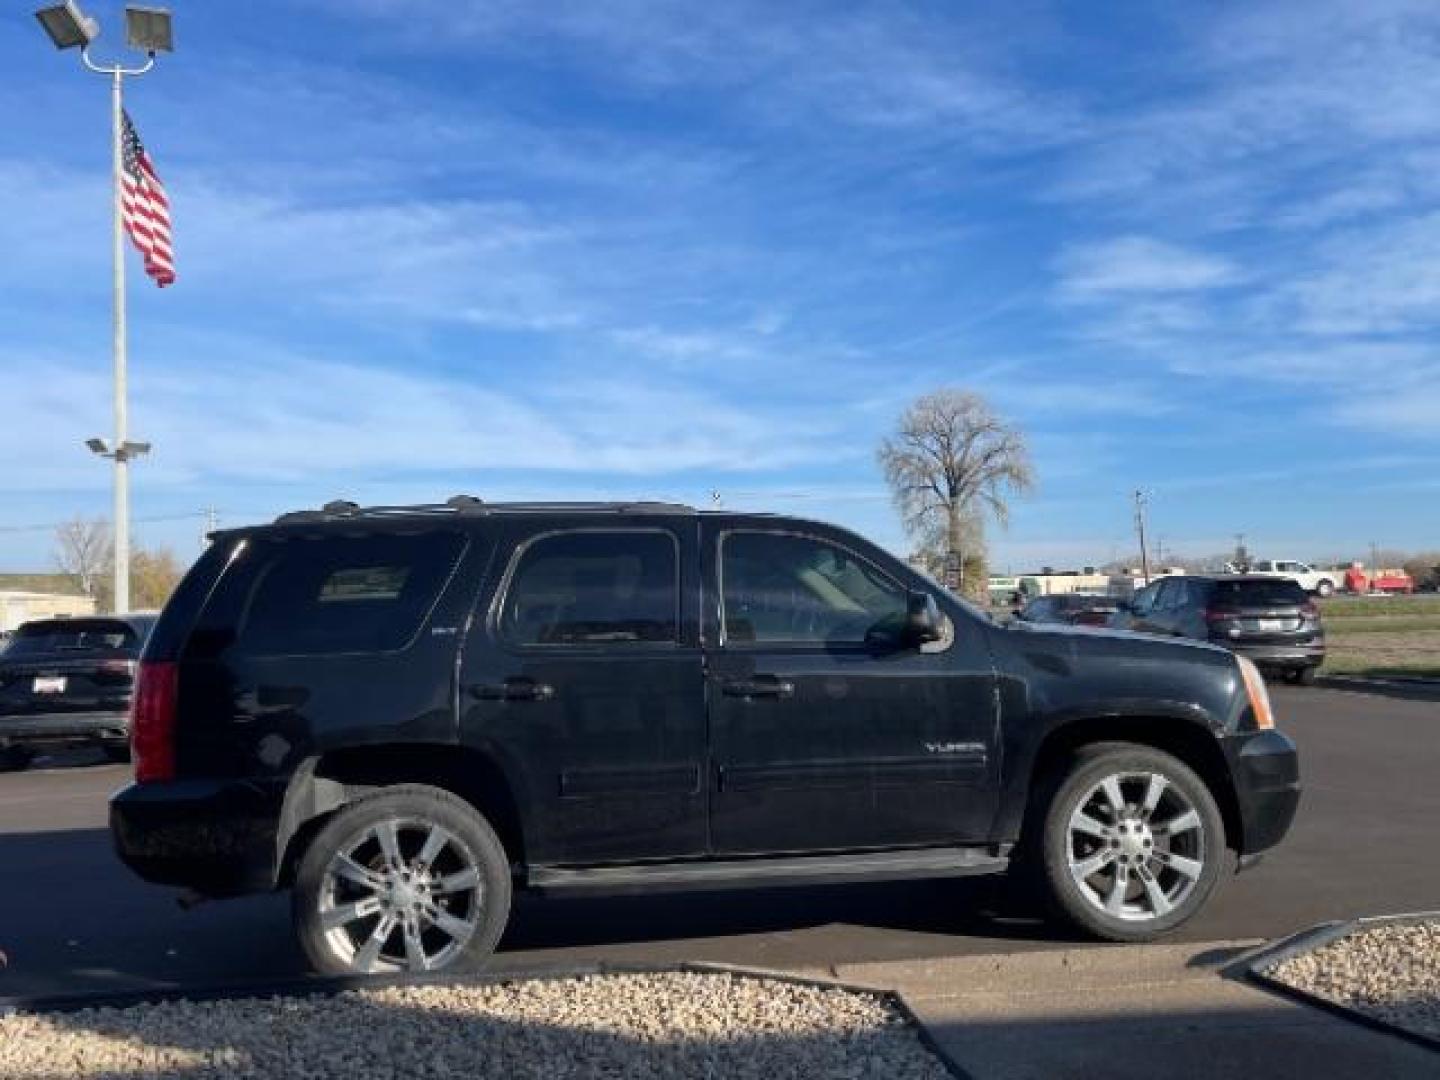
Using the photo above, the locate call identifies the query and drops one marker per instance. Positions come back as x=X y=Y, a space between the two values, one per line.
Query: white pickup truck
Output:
x=1320 y=582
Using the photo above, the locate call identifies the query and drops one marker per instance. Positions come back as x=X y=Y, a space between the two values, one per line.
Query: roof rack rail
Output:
x=340 y=509
x=346 y=508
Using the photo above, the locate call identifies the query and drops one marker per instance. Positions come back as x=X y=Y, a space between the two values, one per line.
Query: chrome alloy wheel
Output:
x=401 y=895
x=1136 y=846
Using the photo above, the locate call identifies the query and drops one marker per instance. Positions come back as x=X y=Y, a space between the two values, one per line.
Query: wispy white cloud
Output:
x=887 y=68
x=1139 y=264
x=257 y=412
x=1377 y=280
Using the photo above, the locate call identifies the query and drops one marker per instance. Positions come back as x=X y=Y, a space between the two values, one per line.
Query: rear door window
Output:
x=594 y=587
x=322 y=595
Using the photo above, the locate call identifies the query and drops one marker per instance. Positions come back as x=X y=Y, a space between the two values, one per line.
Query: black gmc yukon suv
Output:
x=403 y=713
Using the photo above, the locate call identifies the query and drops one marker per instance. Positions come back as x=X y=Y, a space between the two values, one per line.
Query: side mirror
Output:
x=923 y=621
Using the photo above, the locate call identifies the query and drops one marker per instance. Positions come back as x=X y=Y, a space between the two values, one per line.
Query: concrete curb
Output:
x=328 y=986
x=1254 y=968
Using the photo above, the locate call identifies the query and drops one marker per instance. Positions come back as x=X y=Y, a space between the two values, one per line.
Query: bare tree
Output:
x=951 y=463
x=83 y=550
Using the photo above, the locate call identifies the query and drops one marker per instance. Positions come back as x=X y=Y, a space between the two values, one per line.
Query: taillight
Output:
x=1259 y=695
x=117 y=669
x=152 y=721
x=1211 y=615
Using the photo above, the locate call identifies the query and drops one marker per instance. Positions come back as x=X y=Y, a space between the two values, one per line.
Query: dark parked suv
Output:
x=401 y=714
x=1271 y=620
x=67 y=682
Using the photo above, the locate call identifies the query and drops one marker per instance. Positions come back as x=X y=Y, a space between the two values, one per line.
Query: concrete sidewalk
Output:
x=1137 y=1011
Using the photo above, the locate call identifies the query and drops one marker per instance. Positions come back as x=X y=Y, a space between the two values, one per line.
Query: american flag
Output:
x=144 y=207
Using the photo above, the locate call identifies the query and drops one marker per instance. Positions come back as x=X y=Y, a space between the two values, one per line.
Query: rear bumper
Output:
x=217 y=837
x=1310 y=654
x=37 y=729
x=1265 y=769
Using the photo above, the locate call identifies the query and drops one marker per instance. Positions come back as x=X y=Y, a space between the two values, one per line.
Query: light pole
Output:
x=1140 y=501
x=146 y=29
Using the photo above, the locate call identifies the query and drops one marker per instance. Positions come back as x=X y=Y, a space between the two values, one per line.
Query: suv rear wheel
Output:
x=411 y=878
x=1133 y=843
x=16 y=758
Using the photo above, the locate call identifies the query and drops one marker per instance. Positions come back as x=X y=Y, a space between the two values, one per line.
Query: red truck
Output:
x=1384 y=581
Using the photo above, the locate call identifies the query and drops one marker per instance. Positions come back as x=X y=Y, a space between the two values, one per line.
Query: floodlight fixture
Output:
x=98 y=446
x=148 y=28
x=67 y=25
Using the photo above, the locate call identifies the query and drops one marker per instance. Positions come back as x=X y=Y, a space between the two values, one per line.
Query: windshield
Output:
x=73 y=635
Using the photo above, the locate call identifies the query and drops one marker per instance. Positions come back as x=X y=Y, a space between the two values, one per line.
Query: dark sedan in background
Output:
x=1070 y=609
x=68 y=682
x=1271 y=620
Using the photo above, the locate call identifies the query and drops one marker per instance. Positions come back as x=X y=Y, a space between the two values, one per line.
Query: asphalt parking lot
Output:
x=73 y=919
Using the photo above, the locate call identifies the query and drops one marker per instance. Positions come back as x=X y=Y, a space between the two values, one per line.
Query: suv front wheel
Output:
x=411 y=878
x=1133 y=843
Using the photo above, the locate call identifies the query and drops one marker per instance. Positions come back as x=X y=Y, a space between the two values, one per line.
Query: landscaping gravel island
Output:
x=670 y=1025
x=1389 y=972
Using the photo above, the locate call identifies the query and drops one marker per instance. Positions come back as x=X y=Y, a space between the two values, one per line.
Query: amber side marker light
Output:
x=1259 y=695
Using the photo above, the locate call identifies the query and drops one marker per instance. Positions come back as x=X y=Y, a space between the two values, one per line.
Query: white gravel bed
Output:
x=1391 y=973
x=667 y=1026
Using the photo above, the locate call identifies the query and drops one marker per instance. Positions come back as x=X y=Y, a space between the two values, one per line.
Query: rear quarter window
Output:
x=327 y=595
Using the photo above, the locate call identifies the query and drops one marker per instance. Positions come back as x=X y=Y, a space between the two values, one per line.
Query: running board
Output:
x=775 y=870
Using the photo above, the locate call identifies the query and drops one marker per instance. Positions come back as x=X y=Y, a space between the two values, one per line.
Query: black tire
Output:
x=1199 y=848
x=16 y=759
x=413 y=809
x=1324 y=587
x=117 y=751
x=1305 y=676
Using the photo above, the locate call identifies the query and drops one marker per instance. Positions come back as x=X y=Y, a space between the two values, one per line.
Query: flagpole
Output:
x=122 y=469
x=122 y=449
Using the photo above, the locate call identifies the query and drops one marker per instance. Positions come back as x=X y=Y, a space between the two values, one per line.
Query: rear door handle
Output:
x=517 y=689
x=760 y=686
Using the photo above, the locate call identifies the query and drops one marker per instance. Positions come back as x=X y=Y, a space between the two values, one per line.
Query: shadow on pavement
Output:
x=73 y=919
x=1391 y=688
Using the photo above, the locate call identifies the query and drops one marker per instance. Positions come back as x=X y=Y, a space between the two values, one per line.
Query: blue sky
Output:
x=664 y=249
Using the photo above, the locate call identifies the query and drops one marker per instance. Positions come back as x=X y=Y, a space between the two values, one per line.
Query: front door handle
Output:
x=759 y=686
x=516 y=689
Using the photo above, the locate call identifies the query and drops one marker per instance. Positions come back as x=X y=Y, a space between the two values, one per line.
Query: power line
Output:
x=53 y=525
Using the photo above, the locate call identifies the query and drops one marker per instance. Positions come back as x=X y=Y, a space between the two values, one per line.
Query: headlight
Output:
x=1258 y=694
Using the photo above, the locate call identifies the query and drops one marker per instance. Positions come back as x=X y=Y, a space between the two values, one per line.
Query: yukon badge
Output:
x=955 y=747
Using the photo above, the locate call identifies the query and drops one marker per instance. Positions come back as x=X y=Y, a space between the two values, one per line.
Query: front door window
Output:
x=779 y=588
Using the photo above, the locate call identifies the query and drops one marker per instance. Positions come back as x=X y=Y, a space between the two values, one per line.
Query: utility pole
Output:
x=212 y=522
x=1140 y=501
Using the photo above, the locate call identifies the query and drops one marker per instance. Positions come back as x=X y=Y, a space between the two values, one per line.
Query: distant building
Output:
x=19 y=606
x=1049 y=582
